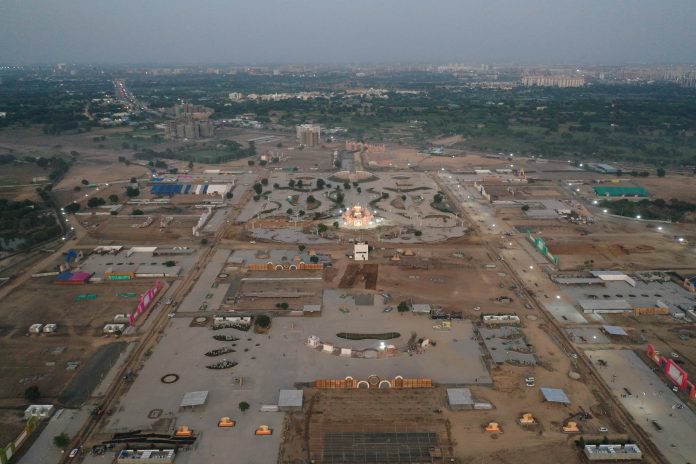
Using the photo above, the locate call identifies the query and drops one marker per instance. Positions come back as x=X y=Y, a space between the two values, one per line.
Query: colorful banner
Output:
x=146 y=300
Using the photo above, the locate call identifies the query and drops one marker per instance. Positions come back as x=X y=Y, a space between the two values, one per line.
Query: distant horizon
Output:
x=338 y=64
x=361 y=31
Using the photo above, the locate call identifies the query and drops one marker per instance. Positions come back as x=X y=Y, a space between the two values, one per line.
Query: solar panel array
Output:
x=379 y=448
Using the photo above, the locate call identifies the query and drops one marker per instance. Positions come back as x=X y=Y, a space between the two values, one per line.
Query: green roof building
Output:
x=620 y=191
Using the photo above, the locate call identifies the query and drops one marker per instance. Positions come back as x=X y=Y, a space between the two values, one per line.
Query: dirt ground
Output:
x=120 y=229
x=363 y=411
x=41 y=359
x=671 y=186
x=365 y=275
x=402 y=157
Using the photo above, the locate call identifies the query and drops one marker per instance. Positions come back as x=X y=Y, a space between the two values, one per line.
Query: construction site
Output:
x=431 y=309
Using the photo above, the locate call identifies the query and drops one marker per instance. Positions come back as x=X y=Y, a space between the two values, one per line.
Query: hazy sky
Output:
x=347 y=31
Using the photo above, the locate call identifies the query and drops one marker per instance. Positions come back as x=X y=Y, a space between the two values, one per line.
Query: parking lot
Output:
x=647 y=398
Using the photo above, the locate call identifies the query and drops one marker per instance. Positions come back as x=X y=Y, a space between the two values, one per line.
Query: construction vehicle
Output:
x=493 y=427
x=263 y=430
x=226 y=422
x=183 y=431
x=571 y=427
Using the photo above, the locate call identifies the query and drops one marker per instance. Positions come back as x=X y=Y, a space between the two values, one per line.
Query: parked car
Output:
x=74 y=452
x=603 y=430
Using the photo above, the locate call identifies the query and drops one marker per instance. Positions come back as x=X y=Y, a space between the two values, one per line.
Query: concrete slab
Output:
x=650 y=399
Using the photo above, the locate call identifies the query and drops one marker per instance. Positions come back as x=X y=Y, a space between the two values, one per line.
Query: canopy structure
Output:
x=555 y=395
x=193 y=399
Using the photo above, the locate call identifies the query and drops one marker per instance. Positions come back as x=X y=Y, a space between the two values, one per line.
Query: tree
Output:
x=77 y=188
x=300 y=184
x=72 y=207
x=133 y=180
x=403 y=307
x=258 y=188
x=32 y=393
x=263 y=163
x=322 y=228
x=243 y=406
x=204 y=241
x=311 y=199
x=84 y=182
x=314 y=259
x=320 y=184
x=190 y=165
x=228 y=195
x=301 y=248
x=61 y=441
x=251 y=162
x=335 y=224
x=263 y=321
x=132 y=192
x=438 y=198
x=289 y=211
x=525 y=207
x=418 y=233
x=264 y=181
x=291 y=183
x=93 y=202
x=113 y=198
x=137 y=212
x=661 y=172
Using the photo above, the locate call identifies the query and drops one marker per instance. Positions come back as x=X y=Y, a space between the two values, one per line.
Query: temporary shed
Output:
x=41 y=411
x=459 y=398
x=421 y=308
x=193 y=399
x=615 y=330
x=555 y=395
x=290 y=400
x=605 y=306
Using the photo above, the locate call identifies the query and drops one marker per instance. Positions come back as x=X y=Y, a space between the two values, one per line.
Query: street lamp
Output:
x=558 y=297
x=605 y=211
x=531 y=267
x=638 y=216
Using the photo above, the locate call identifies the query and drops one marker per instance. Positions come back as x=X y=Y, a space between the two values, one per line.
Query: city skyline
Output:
x=309 y=31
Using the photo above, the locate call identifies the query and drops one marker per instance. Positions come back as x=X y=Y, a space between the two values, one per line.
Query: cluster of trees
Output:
x=57 y=164
x=220 y=152
x=673 y=210
x=25 y=223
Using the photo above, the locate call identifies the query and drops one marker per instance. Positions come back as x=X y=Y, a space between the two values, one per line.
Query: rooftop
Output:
x=290 y=399
x=555 y=395
x=196 y=398
x=459 y=396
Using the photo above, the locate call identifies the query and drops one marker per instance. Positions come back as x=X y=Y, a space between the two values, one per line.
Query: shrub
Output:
x=32 y=393
x=61 y=441
x=263 y=321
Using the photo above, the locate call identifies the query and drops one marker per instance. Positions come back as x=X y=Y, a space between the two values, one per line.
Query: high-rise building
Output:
x=189 y=128
x=191 y=110
x=553 y=81
x=309 y=135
